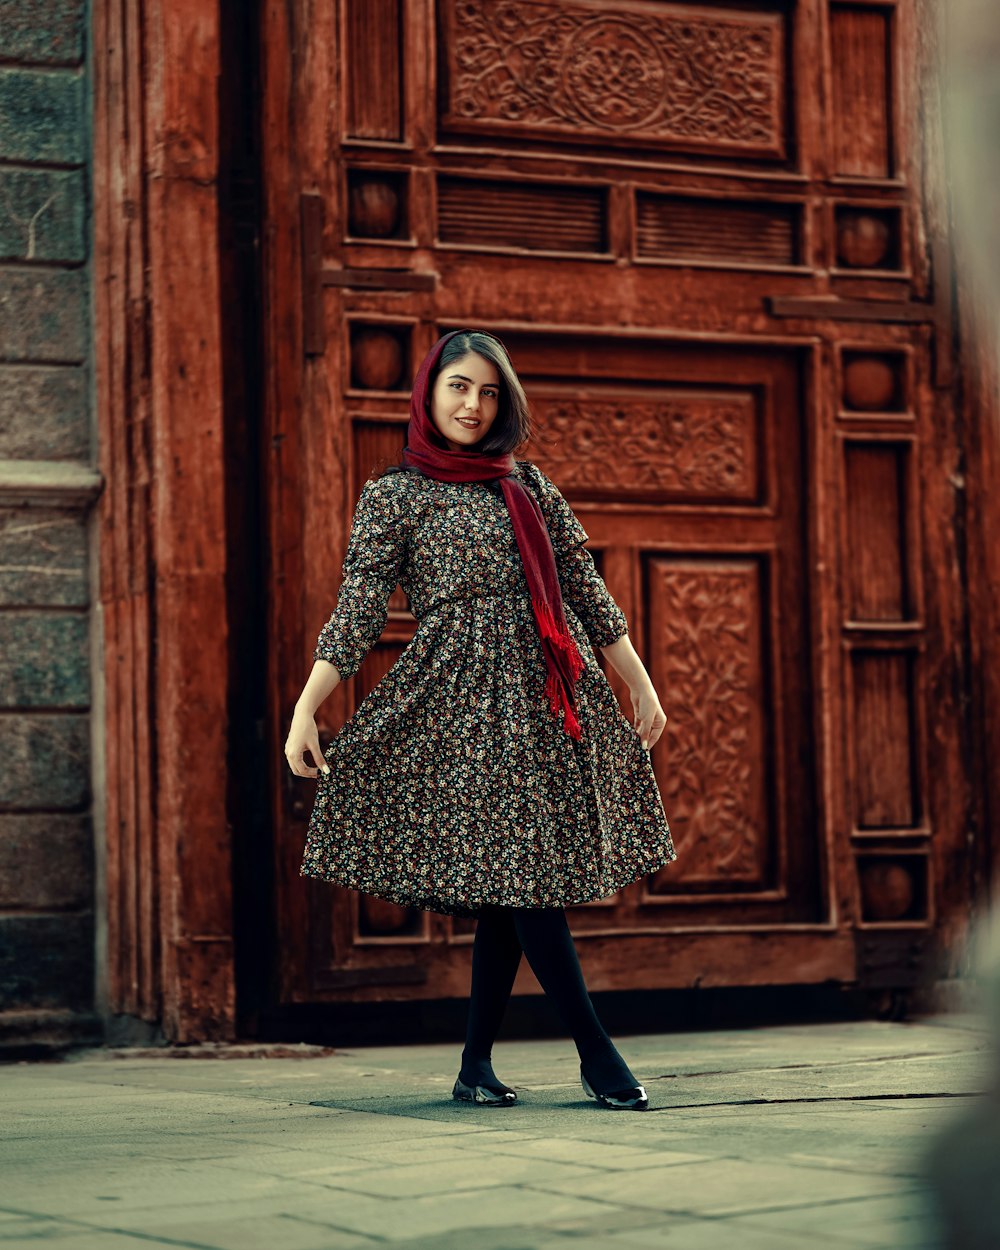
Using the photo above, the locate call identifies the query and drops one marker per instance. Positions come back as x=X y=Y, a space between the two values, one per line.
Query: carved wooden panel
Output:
x=717 y=229
x=667 y=74
x=679 y=442
x=861 y=50
x=707 y=620
x=487 y=212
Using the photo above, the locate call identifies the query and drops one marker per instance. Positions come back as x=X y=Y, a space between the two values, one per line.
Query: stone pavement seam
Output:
x=828 y=1063
x=85 y=1226
x=750 y=1102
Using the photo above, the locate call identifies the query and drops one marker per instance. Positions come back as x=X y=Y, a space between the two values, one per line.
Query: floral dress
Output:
x=453 y=785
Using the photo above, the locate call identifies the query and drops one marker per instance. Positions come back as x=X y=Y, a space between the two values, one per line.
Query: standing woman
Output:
x=490 y=773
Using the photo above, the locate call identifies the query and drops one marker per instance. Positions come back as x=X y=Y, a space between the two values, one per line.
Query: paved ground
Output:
x=772 y=1138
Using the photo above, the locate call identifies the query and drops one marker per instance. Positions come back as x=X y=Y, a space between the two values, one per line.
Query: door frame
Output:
x=166 y=942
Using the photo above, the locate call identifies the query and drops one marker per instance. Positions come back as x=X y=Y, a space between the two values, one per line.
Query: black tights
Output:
x=543 y=934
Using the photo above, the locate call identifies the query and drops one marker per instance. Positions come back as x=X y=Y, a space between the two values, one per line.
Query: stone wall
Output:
x=48 y=485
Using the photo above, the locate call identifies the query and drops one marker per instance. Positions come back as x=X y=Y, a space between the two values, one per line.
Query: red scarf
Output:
x=427 y=451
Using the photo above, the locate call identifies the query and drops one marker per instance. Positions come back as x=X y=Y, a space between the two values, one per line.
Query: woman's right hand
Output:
x=304 y=736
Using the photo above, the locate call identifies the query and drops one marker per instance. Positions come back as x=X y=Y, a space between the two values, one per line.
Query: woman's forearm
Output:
x=323 y=679
x=622 y=657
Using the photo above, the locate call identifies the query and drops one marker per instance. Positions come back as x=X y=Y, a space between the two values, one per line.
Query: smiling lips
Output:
x=470 y=423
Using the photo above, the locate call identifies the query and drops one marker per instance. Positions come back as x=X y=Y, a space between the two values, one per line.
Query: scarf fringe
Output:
x=556 y=691
x=561 y=638
x=556 y=685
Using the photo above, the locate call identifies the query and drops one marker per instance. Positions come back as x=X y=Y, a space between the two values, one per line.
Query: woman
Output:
x=490 y=773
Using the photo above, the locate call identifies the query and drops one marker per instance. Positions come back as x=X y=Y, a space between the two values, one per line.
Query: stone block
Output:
x=46 y=761
x=43 y=558
x=42 y=215
x=46 y=861
x=43 y=315
x=44 y=412
x=42 y=115
x=43 y=660
x=47 y=32
x=42 y=1033
x=47 y=961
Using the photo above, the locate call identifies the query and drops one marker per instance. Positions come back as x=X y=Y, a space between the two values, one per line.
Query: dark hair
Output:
x=511 y=427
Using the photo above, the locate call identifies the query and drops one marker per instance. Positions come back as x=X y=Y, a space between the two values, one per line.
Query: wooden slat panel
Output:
x=710 y=229
x=376 y=443
x=861 y=133
x=122 y=364
x=884 y=730
x=374 y=69
x=486 y=213
x=875 y=564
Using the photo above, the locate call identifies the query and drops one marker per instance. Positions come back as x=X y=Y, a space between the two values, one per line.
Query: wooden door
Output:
x=709 y=262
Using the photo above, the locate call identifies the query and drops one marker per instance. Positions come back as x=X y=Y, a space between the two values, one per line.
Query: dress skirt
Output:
x=453 y=785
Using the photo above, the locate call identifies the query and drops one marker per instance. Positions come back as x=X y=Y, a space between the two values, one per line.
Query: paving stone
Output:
x=70 y=1237
x=18 y=1229
x=269 y=1232
x=411 y=1146
x=85 y=1192
x=338 y=1209
x=478 y=1172
x=902 y=1220
x=592 y=1153
x=713 y=1235
x=680 y=1234
x=725 y=1187
x=965 y=1074
x=233 y=1153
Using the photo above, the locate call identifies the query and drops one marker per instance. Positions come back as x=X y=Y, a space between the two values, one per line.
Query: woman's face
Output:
x=465 y=400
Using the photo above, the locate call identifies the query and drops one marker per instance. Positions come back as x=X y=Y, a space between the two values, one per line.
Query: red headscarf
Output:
x=427 y=450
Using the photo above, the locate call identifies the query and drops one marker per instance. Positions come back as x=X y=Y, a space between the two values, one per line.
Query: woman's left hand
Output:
x=650 y=718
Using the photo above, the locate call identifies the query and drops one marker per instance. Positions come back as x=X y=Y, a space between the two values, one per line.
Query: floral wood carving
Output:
x=701 y=444
x=705 y=627
x=670 y=76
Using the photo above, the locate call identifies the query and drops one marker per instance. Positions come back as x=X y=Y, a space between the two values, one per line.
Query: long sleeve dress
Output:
x=453 y=785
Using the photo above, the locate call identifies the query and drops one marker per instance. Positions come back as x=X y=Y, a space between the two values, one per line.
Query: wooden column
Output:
x=162 y=520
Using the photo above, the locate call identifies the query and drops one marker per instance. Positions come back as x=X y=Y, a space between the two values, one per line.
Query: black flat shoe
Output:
x=633 y=1099
x=485 y=1095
